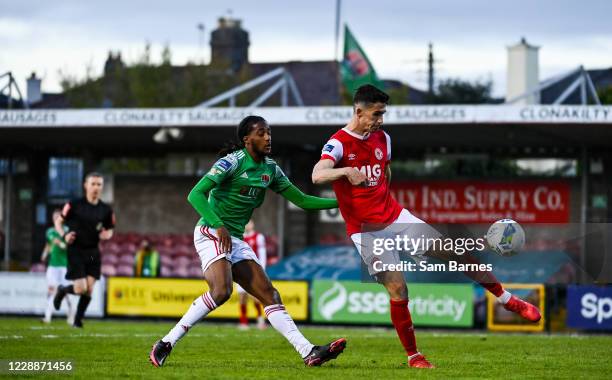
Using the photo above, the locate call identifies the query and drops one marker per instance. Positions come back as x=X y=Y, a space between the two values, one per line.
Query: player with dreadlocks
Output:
x=225 y=199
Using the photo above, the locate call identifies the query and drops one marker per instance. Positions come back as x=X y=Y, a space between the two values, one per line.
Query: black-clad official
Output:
x=89 y=220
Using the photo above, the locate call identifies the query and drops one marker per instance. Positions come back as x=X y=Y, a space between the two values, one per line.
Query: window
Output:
x=65 y=176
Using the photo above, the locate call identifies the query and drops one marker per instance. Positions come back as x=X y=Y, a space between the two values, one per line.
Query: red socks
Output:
x=243 y=315
x=400 y=316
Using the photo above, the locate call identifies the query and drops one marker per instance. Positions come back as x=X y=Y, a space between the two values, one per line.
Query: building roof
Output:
x=317 y=81
x=4 y=100
x=52 y=101
x=602 y=78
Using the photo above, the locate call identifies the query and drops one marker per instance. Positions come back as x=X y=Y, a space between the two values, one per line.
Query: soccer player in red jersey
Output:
x=357 y=161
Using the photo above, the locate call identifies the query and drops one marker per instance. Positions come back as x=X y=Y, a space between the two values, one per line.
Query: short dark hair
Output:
x=368 y=94
x=93 y=174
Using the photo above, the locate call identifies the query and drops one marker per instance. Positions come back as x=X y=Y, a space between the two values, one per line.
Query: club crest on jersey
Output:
x=378 y=153
x=265 y=179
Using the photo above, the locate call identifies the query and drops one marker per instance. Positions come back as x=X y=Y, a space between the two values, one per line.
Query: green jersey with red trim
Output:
x=241 y=186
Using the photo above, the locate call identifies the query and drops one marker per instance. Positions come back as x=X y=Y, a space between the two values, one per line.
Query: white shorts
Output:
x=56 y=276
x=206 y=244
x=406 y=225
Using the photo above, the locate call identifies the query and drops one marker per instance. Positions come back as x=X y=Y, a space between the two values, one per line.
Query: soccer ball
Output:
x=506 y=237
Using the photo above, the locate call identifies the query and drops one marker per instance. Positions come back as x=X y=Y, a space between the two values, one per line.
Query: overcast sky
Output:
x=469 y=37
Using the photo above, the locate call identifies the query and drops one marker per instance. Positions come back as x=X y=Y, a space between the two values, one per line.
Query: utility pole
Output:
x=430 y=70
x=337 y=30
x=201 y=37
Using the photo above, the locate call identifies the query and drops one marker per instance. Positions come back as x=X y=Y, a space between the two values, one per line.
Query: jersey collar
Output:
x=250 y=158
x=355 y=135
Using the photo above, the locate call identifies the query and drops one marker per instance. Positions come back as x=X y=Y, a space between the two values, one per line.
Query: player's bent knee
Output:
x=274 y=296
x=221 y=294
x=397 y=290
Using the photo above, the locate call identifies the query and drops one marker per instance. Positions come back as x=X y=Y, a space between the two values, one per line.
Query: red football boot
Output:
x=524 y=309
x=419 y=361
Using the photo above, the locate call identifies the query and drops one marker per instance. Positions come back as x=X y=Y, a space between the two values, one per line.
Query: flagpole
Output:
x=338 y=6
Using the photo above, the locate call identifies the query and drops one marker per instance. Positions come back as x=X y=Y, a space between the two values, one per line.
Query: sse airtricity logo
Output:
x=352 y=301
x=332 y=301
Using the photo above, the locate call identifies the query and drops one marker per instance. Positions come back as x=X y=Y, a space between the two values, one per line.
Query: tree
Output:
x=147 y=84
x=605 y=95
x=457 y=91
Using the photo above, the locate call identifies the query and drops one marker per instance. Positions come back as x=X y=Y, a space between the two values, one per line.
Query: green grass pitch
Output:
x=119 y=349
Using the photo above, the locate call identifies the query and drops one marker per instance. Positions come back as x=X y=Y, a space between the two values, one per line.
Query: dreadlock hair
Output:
x=244 y=128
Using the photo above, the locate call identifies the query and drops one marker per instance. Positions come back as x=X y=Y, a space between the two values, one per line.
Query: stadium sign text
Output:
x=589 y=307
x=301 y=116
x=552 y=113
x=356 y=302
x=481 y=202
x=168 y=297
x=26 y=293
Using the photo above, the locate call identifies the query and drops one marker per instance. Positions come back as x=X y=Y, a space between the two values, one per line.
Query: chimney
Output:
x=229 y=44
x=34 y=93
x=523 y=72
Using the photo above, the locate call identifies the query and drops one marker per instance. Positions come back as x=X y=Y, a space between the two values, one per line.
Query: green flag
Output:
x=356 y=68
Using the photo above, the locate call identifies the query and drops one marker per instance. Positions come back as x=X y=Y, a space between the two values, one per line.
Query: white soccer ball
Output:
x=506 y=237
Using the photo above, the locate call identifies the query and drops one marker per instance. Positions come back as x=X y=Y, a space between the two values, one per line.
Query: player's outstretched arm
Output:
x=58 y=224
x=45 y=253
x=307 y=202
x=198 y=199
x=59 y=243
x=324 y=172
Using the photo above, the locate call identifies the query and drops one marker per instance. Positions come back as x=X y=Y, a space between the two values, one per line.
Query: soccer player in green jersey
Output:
x=55 y=252
x=225 y=199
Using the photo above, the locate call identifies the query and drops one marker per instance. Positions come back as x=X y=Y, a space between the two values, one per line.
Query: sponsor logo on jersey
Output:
x=378 y=153
x=224 y=164
x=244 y=175
x=328 y=148
x=251 y=192
x=265 y=179
x=373 y=172
x=352 y=156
